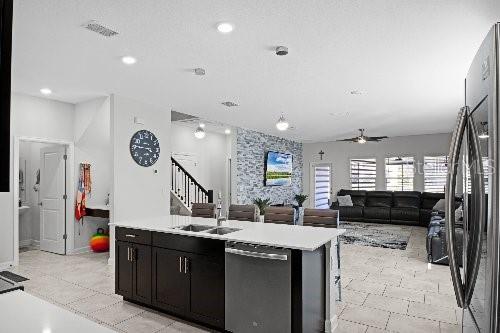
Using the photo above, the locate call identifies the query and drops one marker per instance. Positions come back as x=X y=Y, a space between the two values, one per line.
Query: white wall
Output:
x=209 y=157
x=33 y=117
x=92 y=130
x=139 y=192
x=339 y=154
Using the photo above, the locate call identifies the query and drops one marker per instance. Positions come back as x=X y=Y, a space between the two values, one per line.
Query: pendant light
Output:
x=282 y=124
x=200 y=132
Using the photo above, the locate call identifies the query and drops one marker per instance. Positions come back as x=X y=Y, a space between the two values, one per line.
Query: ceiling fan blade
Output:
x=348 y=140
x=375 y=138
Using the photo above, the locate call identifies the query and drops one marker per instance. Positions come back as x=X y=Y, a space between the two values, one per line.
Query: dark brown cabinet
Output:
x=178 y=274
x=123 y=270
x=133 y=271
x=189 y=284
x=207 y=287
x=170 y=280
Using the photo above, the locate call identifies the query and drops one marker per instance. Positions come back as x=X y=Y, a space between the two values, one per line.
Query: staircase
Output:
x=186 y=189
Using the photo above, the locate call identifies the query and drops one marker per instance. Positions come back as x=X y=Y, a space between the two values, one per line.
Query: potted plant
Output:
x=300 y=198
x=262 y=204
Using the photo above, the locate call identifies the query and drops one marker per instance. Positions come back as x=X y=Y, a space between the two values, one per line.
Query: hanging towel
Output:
x=84 y=189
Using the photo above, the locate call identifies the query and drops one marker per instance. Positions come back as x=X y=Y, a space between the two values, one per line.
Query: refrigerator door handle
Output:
x=451 y=180
x=477 y=214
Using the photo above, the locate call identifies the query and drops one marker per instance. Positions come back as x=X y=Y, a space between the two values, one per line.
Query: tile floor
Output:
x=84 y=284
x=388 y=290
x=384 y=290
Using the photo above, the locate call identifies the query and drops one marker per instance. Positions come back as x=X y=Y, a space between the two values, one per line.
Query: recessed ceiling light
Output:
x=225 y=27
x=202 y=125
x=128 y=60
x=227 y=131
x=46 y=91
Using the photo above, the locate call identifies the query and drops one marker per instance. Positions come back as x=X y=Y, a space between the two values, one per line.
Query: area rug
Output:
x=376 y=235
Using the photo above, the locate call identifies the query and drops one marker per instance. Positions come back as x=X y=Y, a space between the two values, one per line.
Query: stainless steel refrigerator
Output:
x=472 y=175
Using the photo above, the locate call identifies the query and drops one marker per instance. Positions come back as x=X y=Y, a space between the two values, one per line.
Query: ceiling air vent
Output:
x=229 y=104
x=99 y=28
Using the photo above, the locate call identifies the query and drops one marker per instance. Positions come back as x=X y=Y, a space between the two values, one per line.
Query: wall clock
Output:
x=144 y=148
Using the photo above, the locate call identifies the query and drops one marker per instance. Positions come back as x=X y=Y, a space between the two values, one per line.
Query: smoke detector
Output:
x=99 y=28
x=281 y=50
x=229 y=104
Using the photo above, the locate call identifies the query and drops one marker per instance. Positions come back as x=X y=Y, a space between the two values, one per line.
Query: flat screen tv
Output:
x=278 y=169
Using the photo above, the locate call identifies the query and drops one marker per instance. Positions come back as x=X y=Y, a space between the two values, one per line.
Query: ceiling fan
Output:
x=362 y=138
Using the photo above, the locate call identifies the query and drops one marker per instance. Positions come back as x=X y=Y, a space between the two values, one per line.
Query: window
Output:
x=363 y=173
x=435 y=171
x=399 y=173
x=322 y=186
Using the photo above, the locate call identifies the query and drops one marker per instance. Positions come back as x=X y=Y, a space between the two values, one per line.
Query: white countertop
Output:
x=24 y=313
x=278 y=235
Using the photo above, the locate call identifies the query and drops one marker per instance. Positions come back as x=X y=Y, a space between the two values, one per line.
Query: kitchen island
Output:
x=240 y=276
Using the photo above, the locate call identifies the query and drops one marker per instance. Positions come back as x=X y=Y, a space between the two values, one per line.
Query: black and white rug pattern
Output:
x=376 y=235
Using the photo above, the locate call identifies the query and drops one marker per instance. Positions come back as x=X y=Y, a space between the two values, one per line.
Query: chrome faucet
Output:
x=220 y=218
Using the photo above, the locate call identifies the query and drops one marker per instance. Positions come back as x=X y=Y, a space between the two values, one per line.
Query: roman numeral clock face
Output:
x=144 y=148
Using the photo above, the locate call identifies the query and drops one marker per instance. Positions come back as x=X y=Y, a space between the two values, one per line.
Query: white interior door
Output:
x=52 y=199
x=321 y=183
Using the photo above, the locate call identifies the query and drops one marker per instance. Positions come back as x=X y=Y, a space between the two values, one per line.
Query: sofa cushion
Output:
x=407 y=199
x=358 y=197
x=377 y=213
x=440 y=205
x=350 y=212
x=429 y=199
x=344 y=200
x=405 y=214
x=378 y=199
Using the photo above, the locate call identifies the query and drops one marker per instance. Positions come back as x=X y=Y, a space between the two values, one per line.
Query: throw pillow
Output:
x=440 y=205
x=344 y=200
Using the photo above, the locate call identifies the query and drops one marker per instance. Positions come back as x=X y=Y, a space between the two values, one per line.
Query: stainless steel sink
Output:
x=195 y=227
x=222 y=231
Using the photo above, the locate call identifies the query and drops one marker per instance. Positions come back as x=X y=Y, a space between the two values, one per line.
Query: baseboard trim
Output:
x=26 y=242
x=5 y=265
x=79 y=250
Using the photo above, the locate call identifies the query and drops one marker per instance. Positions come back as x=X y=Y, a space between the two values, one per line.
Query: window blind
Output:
x=435 y=171
x=399 y=173
x=363 y=173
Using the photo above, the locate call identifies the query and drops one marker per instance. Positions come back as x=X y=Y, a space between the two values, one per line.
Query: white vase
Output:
x=261 y=218
x=300 y=218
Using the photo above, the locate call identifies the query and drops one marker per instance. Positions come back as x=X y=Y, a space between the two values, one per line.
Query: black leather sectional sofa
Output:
x=407 y=208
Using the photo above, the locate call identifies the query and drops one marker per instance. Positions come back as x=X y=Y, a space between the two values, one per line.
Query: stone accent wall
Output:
x=251 y=148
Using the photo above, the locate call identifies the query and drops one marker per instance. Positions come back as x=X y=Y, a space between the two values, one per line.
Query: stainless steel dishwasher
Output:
x=258 y=289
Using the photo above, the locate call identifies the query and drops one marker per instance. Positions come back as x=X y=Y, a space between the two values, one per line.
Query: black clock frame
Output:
x=131 y=143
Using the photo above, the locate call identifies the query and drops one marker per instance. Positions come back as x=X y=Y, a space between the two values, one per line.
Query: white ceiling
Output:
x=409 y=58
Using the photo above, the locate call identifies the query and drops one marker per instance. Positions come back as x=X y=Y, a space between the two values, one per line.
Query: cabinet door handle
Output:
x=180 y=264
x=186 y=262
x=130 y=235
x=128 y=253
